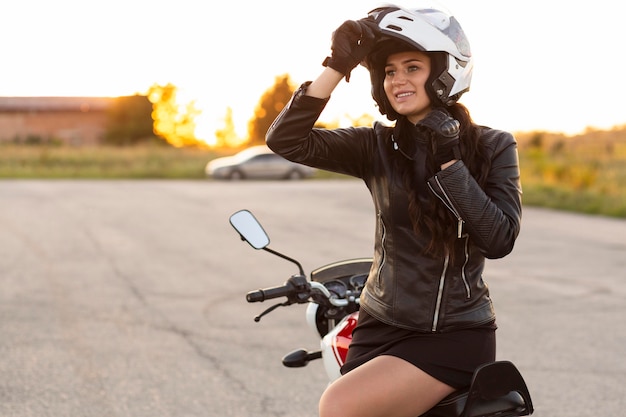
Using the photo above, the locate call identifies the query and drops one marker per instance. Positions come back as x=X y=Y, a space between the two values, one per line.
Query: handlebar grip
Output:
x=269 y=293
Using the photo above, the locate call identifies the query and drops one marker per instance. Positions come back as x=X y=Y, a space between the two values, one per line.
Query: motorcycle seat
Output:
x=497 y=389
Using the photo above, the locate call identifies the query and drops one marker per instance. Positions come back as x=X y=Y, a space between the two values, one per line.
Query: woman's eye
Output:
x=412 y=68
x=390 y=73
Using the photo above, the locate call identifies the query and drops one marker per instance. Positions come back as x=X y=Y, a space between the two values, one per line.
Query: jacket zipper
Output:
x=383 y=234
x=442 y=280
x=468 y=290
x=448 y=203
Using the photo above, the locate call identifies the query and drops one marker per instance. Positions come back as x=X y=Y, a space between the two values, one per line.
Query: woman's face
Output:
x=405 y=79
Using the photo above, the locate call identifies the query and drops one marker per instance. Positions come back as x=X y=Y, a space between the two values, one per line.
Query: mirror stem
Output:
x=285 y=257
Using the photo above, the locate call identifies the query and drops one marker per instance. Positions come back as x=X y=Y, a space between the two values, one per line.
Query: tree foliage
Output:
x=129 y=121
x=271 y=103
x=226 y=135
x=173 y=121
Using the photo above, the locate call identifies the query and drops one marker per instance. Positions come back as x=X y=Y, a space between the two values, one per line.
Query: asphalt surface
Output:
x=127 y=298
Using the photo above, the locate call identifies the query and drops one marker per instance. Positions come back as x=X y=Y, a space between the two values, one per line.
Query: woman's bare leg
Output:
x=386 y=386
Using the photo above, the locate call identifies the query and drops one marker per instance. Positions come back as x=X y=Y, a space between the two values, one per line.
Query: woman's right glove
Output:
x=351 y=43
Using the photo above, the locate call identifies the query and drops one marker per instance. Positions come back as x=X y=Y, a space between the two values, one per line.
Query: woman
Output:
x=447 y=196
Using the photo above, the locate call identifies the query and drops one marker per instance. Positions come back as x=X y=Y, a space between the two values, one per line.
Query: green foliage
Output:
x=585 y=173
x=129 y=121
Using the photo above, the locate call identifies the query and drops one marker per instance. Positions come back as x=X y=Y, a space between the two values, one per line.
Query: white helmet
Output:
x=427 y=27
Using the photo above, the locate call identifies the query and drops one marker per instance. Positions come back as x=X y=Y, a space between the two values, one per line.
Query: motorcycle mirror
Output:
x=249 y=229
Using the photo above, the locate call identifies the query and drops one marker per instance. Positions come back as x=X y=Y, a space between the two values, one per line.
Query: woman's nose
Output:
x=399 y=78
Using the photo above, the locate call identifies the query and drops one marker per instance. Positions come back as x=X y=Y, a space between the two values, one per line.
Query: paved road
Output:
x=127 y=299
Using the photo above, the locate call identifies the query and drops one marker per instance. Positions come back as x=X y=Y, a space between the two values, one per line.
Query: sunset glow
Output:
x=535 y=69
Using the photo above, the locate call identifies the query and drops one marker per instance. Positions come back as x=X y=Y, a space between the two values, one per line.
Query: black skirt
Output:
x=450 y=357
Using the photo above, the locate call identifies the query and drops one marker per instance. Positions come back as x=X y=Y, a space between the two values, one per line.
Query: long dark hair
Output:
x=427 y=213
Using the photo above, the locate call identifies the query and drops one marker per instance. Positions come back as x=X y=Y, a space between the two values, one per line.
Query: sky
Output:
x=553 y=65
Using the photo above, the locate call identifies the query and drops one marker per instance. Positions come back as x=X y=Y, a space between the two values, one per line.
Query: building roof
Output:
x=78 y=104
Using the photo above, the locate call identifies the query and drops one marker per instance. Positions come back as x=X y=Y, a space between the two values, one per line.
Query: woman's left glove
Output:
x=444 y=131
x=351 y=43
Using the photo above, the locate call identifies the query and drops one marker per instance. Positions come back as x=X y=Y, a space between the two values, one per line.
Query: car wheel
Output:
x=236 y=175
x=294 y=175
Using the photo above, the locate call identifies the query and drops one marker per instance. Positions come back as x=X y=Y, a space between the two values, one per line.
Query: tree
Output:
x=173 y=121
x=226 y=136
x=271 y=103
x=129 y=121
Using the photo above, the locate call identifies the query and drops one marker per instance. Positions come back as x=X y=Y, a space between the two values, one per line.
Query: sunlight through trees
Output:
x=268 y=108
x=173 y=121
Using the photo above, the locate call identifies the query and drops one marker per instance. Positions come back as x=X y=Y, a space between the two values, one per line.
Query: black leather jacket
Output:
x=404 y=287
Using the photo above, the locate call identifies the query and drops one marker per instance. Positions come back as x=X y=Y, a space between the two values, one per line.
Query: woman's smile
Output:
x=402 y=95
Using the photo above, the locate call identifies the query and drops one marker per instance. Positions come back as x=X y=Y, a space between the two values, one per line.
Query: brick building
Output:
x=70 y=120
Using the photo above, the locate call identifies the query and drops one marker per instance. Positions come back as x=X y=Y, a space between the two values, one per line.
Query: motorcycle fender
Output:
x=311 y=312
x=335 y=345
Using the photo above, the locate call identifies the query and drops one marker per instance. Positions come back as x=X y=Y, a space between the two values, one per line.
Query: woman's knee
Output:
x=342 y=399
x=331 y=402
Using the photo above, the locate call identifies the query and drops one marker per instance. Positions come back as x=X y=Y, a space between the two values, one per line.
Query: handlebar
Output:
x=297 y=290
x=269 y=293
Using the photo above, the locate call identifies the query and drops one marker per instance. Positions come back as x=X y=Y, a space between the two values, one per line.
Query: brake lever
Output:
x=269 y=310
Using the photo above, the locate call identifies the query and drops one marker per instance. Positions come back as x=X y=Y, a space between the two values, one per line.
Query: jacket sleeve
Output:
x=491 y=216
x=293 y=136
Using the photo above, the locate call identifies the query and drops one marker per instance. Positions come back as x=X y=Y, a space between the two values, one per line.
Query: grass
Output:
x=106 y=162
x=110 y=162
x=585 y=173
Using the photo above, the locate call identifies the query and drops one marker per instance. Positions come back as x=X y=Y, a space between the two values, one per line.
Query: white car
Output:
x=257 y=162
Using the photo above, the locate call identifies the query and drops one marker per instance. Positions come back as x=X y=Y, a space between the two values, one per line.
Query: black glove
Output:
x=351 y=43
x=444 y=131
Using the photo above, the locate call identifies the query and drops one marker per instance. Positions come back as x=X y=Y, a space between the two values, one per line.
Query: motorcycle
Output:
x=332 y=298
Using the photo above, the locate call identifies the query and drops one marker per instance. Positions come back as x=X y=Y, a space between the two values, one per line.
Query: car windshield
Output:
x=250 y=152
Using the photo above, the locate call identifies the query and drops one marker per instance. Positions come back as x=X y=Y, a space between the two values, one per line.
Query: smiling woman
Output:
x=437 y=181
